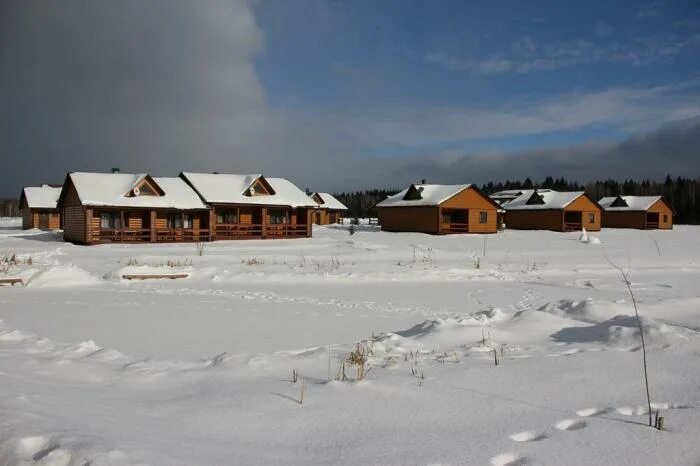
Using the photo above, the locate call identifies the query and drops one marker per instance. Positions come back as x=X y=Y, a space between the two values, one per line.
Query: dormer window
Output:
x=145 y=187
x=535 y=199
x=259 y=188
x=619 y=202
x=413 y=193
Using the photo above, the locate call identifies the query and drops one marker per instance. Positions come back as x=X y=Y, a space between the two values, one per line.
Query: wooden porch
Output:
x=453 y=221
x=253 y=222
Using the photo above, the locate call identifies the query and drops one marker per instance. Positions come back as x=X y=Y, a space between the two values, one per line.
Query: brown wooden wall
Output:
x=416 y=219
x=74 y=217
x=624 y=219
x=326 y=216
x=586 y=206
x=542 y=219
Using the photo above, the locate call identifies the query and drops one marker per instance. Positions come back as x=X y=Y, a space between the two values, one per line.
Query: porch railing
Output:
x=124 y=234
x=652 y=225
x=454 y=228
x=285 y=229
x=235 y=230
x=572 y=226
x=182 y=235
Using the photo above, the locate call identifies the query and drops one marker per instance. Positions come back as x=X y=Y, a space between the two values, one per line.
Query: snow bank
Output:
x=62 y=276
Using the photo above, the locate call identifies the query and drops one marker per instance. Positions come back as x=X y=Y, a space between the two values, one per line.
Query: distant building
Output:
x=39 y=207
x=328 y=210
x=439 y=209
x=642 y=212
x=546 y=209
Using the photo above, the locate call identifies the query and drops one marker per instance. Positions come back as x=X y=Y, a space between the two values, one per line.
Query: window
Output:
x=483 y=217
x=446 y=218
x=278 y=217
x=665 y=218
x=110 y=220
x=174 y=221
x=591 y=218
x=188 y=221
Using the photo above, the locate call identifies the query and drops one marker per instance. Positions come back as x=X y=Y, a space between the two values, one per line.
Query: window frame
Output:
x=483 y=217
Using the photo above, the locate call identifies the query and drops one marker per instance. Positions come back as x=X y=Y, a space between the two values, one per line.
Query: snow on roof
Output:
x=430 y=195
x=42 y=197
x=220 y=188
x=329 y=202
x=633 y=202
x=111 y=189
x=550 y=199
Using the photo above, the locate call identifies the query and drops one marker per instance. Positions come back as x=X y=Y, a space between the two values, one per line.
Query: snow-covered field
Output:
x=99 y=370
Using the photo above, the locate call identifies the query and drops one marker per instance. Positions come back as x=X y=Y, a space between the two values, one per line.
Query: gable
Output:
x=535 y=199
x=260 y=187
x=146 y=186
x=619 y=202
x=413 y=193
x=317 y=198
x=584 y=204
x=470 y=198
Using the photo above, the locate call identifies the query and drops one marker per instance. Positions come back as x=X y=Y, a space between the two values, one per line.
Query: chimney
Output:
x=308 y=191
x=422 y=181
x=115 y=170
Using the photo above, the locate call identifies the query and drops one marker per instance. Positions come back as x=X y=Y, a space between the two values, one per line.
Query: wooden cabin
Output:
x=39 y=207
x=328 y=209
x=641 y=212
x=439 y=209
x=253 y=206
x=126 y=208
x=546 y=209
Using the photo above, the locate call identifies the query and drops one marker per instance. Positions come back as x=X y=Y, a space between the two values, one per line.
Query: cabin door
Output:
x=44 y=220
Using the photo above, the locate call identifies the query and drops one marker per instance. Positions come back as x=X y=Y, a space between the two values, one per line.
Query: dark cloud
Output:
x=673 y=149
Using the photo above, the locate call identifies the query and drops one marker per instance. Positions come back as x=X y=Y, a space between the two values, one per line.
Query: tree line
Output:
x=682 y=193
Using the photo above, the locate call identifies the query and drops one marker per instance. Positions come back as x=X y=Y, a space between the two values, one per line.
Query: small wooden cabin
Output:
x=328 y=209
x=253 y=206
x=39 y=207
x=120 y=207
x=641 y=212
x=438 y=209
x=546 y=209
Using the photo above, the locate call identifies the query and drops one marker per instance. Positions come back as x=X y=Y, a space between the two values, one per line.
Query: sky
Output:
x=339 y=95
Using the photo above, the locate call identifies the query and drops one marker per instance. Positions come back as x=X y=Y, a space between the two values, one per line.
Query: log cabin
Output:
x=641 y=212
x=253 y=206
x=39 y=207
x=328 y=209
x=438 y=209
x=126 y=208
x=546 y=209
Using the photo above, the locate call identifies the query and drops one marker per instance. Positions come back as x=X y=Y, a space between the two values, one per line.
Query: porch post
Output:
x=212 y=223
x=263 y=221
x=121 y=233
x=439 y=219
x=152 y=226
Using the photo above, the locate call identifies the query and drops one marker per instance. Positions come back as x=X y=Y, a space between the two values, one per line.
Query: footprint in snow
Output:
x=592 y=411
x=508 y=459
x=528 y=436
x=570 y=424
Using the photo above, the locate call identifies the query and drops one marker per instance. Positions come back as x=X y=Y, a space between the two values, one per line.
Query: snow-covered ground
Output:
x=99 y=370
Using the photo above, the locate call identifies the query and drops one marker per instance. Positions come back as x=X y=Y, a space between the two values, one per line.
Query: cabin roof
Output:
x=429 y=195
x=550 y=199
x=41 y=197
x=222 y=188
x=634 y=203
x=329 y=201
x=116 y=190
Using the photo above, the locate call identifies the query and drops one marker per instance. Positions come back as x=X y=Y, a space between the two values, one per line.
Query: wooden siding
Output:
x=422 y=219
x=74 y=216
x=587 y=207
x=534 y=220
x=326 y=216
